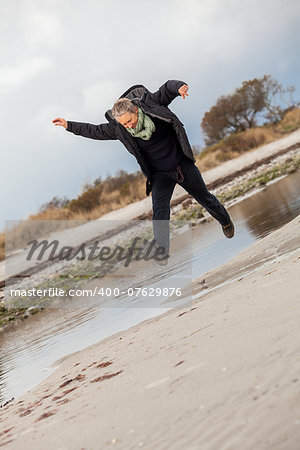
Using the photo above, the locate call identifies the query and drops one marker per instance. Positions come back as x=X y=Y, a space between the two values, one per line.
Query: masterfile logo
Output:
x=140 y=249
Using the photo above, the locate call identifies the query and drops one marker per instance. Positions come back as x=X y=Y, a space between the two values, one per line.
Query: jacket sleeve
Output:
x=104 y=131
x=166 y=93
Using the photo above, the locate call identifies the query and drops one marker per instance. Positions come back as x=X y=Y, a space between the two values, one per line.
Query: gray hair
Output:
x=122 y=106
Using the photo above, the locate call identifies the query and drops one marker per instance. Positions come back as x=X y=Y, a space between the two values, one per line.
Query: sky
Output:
x=73 y=59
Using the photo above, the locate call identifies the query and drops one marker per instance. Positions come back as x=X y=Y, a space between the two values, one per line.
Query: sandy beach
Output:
x=222 y=373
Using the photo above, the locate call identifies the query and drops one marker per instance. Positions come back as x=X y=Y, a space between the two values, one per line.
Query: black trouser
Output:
x=163 y=184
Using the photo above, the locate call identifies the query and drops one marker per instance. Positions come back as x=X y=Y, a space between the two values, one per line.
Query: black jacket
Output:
x=154 y=104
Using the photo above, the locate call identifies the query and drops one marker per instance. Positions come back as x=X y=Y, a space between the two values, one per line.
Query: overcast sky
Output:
x=72 y=59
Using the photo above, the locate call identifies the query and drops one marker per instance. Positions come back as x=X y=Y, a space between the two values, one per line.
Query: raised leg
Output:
x=194 y=184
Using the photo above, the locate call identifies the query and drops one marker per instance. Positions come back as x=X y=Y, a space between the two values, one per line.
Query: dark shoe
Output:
x=228 y=230
x=162 y=262
x=162 y=256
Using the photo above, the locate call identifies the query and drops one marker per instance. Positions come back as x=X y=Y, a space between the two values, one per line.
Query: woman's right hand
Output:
x=60 y=122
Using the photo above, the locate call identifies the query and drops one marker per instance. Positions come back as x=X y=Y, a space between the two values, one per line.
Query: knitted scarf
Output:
x=144 y=127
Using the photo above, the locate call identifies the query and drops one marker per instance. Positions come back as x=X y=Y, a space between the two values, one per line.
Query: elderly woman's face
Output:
x=129 y=119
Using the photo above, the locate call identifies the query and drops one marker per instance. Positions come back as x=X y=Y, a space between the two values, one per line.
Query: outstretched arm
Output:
x=168 y=92
x=104 y=131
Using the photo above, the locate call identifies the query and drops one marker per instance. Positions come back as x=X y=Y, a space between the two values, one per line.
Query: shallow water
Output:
x=27 y=352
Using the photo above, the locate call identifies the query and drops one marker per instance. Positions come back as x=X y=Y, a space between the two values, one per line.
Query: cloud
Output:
x=15 y=76
x=41 y=29
x=104 y=92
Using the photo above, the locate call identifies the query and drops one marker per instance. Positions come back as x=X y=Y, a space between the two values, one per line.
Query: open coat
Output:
x=154 y=104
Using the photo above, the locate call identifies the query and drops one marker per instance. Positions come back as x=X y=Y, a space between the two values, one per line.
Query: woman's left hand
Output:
x=183 y=91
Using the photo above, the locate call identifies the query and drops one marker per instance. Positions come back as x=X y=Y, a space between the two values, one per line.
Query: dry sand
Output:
x=223 y=373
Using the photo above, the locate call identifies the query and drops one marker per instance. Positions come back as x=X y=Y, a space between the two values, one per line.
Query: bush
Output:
x=55 y=202
x=88 y=200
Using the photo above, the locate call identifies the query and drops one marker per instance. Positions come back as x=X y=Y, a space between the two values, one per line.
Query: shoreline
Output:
x=229 y=360
x=233 y=192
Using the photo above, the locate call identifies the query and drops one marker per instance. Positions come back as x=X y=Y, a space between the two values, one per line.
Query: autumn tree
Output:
x=255 y=99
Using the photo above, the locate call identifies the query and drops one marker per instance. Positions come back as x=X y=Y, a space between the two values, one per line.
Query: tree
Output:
x=254 y=100
x=55 y=202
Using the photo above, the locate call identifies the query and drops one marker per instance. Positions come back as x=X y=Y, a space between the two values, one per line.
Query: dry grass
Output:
x=110 y=199
x=290 y=122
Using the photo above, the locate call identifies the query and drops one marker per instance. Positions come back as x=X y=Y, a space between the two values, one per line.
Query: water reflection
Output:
x=272 y=207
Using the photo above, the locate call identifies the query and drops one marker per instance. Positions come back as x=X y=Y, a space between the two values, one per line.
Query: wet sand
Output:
x=222 y=373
